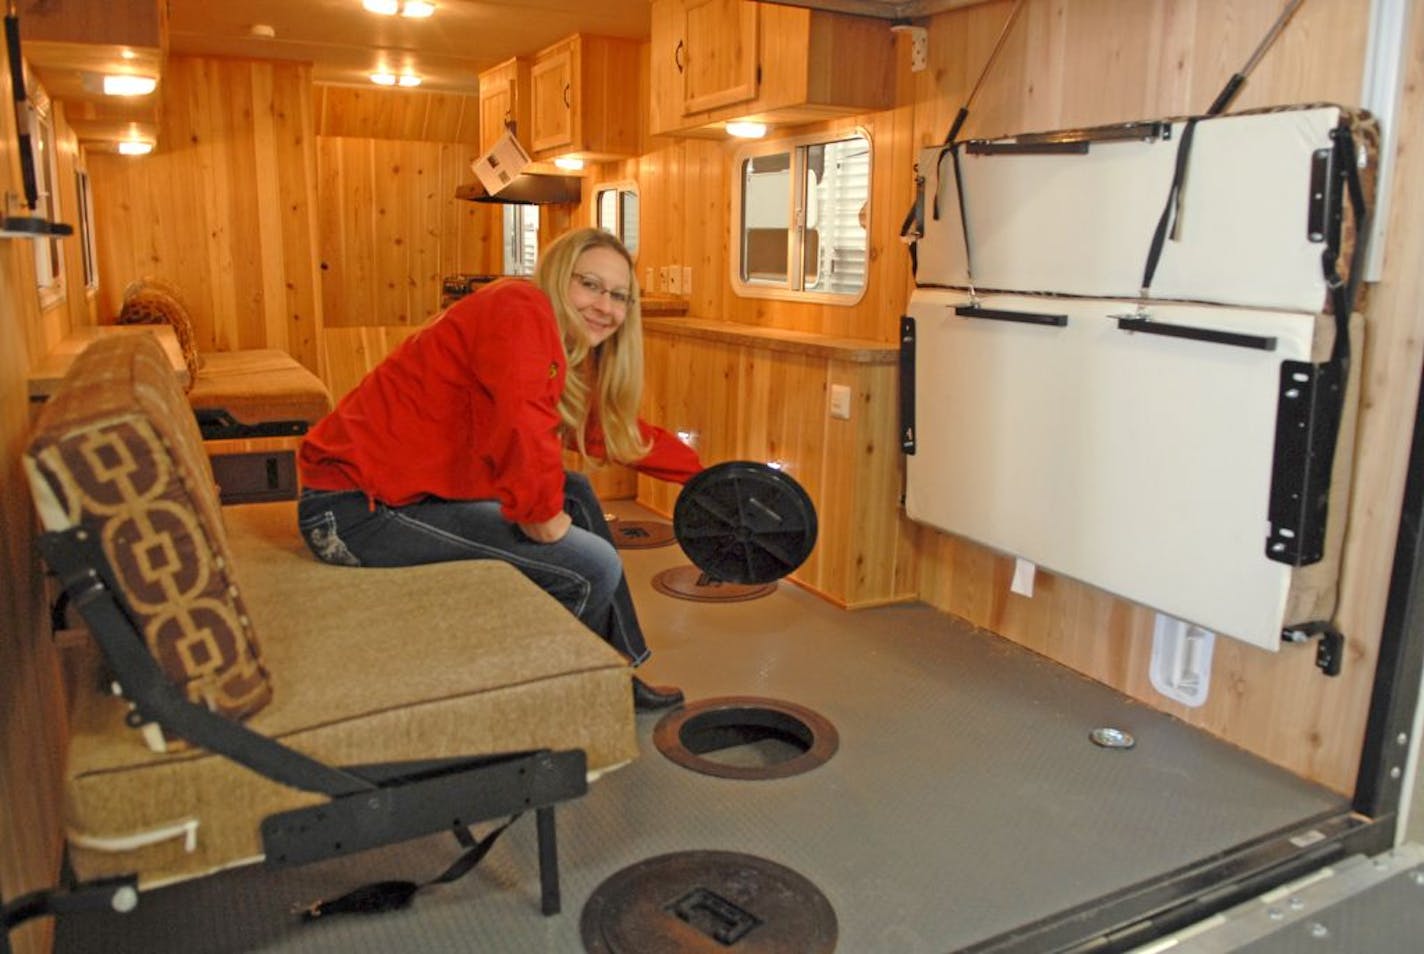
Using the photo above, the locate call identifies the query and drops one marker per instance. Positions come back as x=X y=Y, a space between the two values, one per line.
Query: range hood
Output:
x=527 y=188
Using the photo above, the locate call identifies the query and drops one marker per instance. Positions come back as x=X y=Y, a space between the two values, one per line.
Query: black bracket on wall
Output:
x=1309 y=404
x=907 y=384
x=1330 y=653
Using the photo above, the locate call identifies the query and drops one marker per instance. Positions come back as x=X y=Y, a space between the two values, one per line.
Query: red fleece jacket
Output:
x=467 y=409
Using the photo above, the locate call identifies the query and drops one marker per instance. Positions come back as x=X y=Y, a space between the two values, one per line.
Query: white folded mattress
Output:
x=1249 y=231
x=1139 y=463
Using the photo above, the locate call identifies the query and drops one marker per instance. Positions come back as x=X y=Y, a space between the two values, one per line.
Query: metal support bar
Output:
x=1235 y=339
x=1022 y=317
x=549 y=902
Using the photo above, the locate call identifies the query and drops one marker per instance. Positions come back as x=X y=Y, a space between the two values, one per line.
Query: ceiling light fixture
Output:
x=134 y=147
x=745 y=130
x=126 y=84
x=413 y=9
x=571 y=163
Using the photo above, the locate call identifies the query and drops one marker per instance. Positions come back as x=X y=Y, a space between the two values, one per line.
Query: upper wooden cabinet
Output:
x=584 y=99
x=714 y=60
x=69 y=45
x=504 y=102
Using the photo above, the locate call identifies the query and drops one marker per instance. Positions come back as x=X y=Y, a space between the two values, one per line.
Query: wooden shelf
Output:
x=855 y=350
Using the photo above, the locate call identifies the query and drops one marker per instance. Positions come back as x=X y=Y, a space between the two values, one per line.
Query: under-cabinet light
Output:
x=383 y=79
x=417 y=9
x=384 y=7
x=134 y=147
x=572 y=163
x=408 y=80
x=127 y=84
x=746 y=130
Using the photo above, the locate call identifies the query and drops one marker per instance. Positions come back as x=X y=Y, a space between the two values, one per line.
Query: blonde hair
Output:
x=608 y=377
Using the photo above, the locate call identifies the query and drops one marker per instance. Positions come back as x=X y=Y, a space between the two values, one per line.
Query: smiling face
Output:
x=599 y=291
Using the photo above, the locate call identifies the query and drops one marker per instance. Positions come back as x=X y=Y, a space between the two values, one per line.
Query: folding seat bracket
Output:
x=462 y=793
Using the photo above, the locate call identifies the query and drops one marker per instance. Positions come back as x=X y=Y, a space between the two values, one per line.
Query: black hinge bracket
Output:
x=907 y=384
x=1330 y=653
x=1308 y=409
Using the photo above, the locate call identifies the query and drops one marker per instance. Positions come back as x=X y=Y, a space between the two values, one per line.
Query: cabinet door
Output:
x=553 y=96
x=496 y=110
x=720 y=57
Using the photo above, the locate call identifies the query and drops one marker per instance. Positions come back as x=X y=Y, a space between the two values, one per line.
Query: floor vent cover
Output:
x=703 y=901
x=690 y=583
x=640 y=534
x=745 y=737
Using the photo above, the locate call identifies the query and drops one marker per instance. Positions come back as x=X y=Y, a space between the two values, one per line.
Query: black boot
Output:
x=648 y=698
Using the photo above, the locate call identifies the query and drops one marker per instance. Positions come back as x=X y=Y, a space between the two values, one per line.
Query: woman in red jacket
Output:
x=452 y=447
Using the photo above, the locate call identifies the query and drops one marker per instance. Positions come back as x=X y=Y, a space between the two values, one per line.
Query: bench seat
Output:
x=348 y=666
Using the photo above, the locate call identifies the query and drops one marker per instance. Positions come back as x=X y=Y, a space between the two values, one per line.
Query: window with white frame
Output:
x=615 y=209
x=800 y=218
x=521 y=239
x=49 y=257
x=86 y=229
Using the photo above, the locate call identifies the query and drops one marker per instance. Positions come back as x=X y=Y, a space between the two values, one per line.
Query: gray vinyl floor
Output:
x=965 y=799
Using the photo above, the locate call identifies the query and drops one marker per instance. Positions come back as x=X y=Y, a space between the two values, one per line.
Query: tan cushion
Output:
x=116 y=451
x=260 y=385
x=370 y=665
x=151 y=302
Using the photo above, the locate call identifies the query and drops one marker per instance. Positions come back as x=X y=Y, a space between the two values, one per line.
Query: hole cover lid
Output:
x=690 y=583
x=702 y=901
x=640 y=534
x=745 y=522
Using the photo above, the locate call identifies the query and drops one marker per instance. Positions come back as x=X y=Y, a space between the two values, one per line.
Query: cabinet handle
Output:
x=677 y=56
x=568 y=104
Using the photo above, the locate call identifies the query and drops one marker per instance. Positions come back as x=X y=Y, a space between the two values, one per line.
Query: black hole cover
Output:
x=690 y=583
x=744 y=522
x=640 y=534
x=692 y=902
x=745 y=737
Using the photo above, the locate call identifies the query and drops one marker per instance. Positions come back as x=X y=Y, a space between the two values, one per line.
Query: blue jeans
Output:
x=582 y=571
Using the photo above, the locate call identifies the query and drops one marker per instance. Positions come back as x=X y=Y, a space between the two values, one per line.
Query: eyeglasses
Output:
x=594 y=286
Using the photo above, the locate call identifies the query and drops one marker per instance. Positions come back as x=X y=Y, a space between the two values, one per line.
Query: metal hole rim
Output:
x=825 y=740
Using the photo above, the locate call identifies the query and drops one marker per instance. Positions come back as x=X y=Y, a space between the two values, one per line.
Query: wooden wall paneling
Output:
x=32 y=730
x=401 y=114
x=353 y=351
x=393 y=172
x=219 y=209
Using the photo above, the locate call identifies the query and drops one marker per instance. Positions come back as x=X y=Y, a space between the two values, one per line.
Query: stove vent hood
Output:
x=527 y=188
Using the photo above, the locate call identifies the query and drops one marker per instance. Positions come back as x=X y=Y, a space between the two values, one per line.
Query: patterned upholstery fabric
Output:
x=117 y=451
x=150 y=302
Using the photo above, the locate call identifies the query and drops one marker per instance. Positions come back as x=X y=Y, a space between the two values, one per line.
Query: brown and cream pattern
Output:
x=103 y=459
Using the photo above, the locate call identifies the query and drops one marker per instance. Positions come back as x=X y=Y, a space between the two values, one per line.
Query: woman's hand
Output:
x=548 y=531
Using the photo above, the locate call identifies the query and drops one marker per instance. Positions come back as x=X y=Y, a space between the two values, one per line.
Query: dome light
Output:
x=127 y=84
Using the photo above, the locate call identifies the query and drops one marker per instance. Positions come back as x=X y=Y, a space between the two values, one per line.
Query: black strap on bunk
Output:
x=78 y=559
x=1172 y=208
x=913 y=226
x=382 y=896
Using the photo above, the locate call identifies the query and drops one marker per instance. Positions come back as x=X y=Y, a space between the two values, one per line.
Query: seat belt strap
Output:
x=380 y=896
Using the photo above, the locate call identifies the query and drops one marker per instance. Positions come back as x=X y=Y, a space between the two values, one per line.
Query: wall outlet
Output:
x=663 y=279
x=840 y=402
x=674 y=280
x=687 y=280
